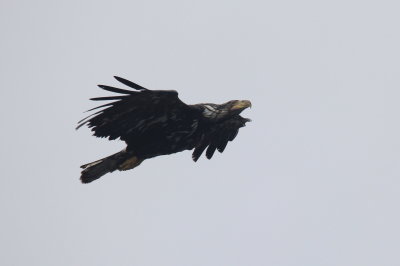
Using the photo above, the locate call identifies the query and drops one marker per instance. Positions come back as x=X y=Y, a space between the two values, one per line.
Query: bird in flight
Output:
x=157 y=122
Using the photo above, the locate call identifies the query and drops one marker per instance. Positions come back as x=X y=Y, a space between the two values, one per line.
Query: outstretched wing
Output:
x=134 y=111
x=218 y=136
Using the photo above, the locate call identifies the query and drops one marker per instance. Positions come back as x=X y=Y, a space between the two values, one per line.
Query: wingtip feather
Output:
x=130 y=84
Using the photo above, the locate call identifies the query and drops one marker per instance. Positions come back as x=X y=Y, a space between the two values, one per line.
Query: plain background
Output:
x=313 y=180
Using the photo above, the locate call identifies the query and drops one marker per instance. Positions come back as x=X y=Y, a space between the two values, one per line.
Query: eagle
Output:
x=157 y=122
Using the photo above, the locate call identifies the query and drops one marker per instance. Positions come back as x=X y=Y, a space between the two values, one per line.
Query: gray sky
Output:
x=313 y=180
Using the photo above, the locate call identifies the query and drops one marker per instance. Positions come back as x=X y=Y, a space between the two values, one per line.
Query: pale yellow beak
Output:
x=241 y=105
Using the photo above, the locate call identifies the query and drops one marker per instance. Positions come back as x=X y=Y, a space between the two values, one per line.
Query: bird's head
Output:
x=225 y=110
x=236 y=106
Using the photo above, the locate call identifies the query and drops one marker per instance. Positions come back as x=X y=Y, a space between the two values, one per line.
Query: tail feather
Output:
x=97 y=169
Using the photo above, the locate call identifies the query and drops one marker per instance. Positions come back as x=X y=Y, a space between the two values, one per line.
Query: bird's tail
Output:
x=122 y=161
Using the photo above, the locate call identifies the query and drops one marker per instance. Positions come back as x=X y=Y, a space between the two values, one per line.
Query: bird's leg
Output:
x=130 y=163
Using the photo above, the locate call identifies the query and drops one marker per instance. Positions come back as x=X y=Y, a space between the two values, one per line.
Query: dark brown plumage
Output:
x=154 y=122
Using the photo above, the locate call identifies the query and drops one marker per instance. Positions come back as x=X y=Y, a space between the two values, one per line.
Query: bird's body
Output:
x=154 y=123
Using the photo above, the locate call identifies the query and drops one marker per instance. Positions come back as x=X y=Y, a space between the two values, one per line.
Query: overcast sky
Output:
x=313 y=180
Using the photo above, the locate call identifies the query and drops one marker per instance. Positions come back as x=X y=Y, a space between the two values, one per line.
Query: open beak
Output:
x=241 y=105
